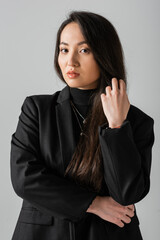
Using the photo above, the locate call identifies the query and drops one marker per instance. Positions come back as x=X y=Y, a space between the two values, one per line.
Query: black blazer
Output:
x=54 y=208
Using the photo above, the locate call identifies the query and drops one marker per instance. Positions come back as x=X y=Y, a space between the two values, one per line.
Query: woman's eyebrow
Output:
x=64 y=43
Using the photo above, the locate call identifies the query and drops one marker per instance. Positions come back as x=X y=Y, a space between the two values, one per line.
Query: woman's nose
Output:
x=72 y=60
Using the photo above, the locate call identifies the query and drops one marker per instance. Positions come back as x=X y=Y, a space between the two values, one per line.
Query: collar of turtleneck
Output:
x=81 y=96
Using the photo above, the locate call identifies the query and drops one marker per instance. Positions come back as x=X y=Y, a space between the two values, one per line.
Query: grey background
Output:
x=28 y=30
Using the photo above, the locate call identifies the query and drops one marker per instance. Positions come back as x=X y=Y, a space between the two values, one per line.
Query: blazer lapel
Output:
x=65 y=126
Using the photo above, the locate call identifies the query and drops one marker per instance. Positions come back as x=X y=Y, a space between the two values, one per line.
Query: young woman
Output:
x=81 y=157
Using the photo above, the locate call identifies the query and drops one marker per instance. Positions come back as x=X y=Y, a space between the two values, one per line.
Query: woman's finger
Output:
x=125 y=219
x=108 y=90
x=131 y=207
x=114 y=84
x=119 y=223
x=129 y=212
x=122 y=85
x=114 y=220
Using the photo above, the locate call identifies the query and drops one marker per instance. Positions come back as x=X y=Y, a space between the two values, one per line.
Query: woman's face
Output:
x=76 y=56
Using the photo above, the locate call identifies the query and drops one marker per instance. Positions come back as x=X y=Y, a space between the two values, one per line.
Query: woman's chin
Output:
x=73 y=84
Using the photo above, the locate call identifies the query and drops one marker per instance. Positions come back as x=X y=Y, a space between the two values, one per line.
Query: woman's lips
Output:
x=73 y=75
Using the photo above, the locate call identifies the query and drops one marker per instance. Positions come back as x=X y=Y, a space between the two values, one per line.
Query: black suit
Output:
x=54 y=208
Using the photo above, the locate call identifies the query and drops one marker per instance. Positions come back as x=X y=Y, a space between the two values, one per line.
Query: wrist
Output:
x=115 y=125
x=111 y=126
x=93 y=206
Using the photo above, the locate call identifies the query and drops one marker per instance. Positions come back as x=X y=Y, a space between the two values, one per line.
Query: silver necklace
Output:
x=84 y=120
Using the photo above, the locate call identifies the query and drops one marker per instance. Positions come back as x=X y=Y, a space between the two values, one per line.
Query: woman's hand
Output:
x=108 y=209
x=115 y=103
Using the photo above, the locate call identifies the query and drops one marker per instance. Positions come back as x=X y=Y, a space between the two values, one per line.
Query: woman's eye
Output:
x=86 y=50
x=63 y=50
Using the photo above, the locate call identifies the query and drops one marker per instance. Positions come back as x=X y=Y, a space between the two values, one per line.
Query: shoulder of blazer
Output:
x=41 y=102
x=44 y=99
x=139 y=118
x=37 y=106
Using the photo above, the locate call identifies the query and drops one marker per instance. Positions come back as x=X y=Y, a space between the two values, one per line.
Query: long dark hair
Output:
x=86 y=165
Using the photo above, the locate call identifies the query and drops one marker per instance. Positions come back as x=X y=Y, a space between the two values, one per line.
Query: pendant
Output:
x=84 y=121
x=82 y=133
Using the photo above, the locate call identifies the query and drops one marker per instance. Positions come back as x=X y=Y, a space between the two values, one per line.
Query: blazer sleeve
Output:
x=33 y=181
x=127 y=160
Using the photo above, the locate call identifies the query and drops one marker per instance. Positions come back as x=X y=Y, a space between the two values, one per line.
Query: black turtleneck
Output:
x=81 y=96
x=81 y=100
